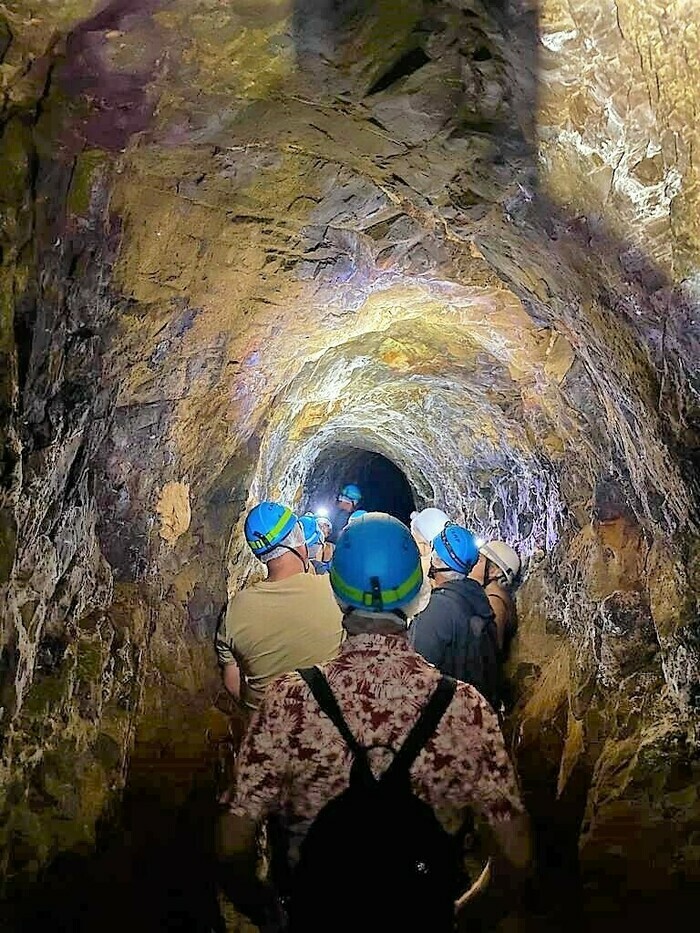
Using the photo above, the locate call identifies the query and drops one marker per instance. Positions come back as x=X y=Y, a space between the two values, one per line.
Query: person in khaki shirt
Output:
x=289 y=620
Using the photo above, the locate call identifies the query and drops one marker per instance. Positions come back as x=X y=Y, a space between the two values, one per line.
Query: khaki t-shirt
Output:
x=273 y=628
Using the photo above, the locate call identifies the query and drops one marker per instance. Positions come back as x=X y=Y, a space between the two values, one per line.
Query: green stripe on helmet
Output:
x=364 y=597
x=270 y=539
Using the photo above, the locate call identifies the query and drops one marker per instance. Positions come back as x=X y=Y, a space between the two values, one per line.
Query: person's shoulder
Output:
x=243 y=598
x=469 y=706
x=472 y=594
x=440 y=603
x=319 y=584
x=444 y=592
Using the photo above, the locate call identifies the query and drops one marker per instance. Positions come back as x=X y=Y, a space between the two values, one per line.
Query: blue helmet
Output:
x=312 y=533
x=351 y=492
x=376 y=565
x=266 y=525
x=358 y=513
x=456 y=547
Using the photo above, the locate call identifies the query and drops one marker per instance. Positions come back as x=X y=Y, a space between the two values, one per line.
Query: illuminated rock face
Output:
x=245 y=242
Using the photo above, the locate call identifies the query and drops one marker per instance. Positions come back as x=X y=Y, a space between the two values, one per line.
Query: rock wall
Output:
x=75 y=673
x=605 y=717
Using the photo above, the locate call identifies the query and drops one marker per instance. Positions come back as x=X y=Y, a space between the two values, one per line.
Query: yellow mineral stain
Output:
x=174 y=510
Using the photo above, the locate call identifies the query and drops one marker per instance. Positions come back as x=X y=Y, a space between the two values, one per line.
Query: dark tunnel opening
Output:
x=384 y=486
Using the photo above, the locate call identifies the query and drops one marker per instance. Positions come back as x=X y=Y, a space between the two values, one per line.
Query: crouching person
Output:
x=369 y=766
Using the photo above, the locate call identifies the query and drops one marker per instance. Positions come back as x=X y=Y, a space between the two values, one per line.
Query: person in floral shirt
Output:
x=293 y=760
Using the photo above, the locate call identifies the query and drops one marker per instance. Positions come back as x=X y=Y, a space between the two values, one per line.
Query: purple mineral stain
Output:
x=119 y=102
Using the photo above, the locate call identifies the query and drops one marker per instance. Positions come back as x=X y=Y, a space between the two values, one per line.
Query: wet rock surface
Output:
x=245 y=245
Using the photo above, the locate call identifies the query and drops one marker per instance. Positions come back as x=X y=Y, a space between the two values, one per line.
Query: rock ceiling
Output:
x=321 y=200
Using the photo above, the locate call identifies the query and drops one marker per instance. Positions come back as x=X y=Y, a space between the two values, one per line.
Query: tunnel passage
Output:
x=384 y=486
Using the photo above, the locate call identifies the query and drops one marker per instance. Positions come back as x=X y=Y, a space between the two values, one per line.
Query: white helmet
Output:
x=428 y=523
x=504 y=557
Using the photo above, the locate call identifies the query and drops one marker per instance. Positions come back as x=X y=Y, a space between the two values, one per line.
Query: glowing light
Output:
x=480 y=542
x=322 y=512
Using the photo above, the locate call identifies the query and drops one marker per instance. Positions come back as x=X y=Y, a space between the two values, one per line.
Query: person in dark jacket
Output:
x=346 y=502
x=456 y=631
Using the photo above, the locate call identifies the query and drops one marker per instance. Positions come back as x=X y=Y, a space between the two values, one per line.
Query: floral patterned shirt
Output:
x=293 y=760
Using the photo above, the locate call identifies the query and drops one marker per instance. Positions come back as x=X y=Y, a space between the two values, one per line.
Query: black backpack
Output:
x=376 y=858
x=474 y=655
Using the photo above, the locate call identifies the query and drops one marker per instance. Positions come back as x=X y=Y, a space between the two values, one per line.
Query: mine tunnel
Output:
x=446 y=250
x=384 y=487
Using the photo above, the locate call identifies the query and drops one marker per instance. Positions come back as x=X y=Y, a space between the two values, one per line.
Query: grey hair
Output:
x=294 y=539
x=357 y=622
x=447 y=572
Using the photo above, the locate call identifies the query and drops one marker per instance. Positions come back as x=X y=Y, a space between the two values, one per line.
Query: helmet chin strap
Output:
x=306 y=563
x=487 y=575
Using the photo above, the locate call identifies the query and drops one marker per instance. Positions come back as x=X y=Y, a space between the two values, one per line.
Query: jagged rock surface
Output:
x=243 y=242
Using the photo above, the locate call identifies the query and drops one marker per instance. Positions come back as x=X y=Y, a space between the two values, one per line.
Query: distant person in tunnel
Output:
x=369 y=767
x=288 y=620
x=497 y=570
x=313 y=538
x=456 y=631
x=326 y=526
x=346 y=502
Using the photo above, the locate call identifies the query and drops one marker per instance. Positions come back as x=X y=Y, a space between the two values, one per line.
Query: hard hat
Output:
x=266 y=525
x=311 y=529
x=376 y=565
x=456 y=547
x=351 y=492
x=429 y=523
x=312 y=533
x=324 y=520
x=504 y=557
x=358 y=513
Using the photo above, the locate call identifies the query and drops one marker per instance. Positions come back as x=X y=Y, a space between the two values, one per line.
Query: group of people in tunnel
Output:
x=370 y=656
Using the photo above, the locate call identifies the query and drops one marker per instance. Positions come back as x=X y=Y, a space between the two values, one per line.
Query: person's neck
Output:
x=383 y=623
x=281 y=568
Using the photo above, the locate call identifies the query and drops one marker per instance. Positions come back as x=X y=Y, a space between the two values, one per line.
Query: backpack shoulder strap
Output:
x=325 y=698
x=424 y=727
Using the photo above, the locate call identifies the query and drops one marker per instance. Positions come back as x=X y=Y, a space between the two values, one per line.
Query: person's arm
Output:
x=505 y=825
x=225 y=652
x=237 y=852
x=429 y=632
x=259 y=773
x=231 y=676
x=500 y=889
x=501 y=605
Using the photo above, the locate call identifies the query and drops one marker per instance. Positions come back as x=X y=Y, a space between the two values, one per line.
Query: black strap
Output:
x=325 y=698
x=424 y=727
x=422 y=730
